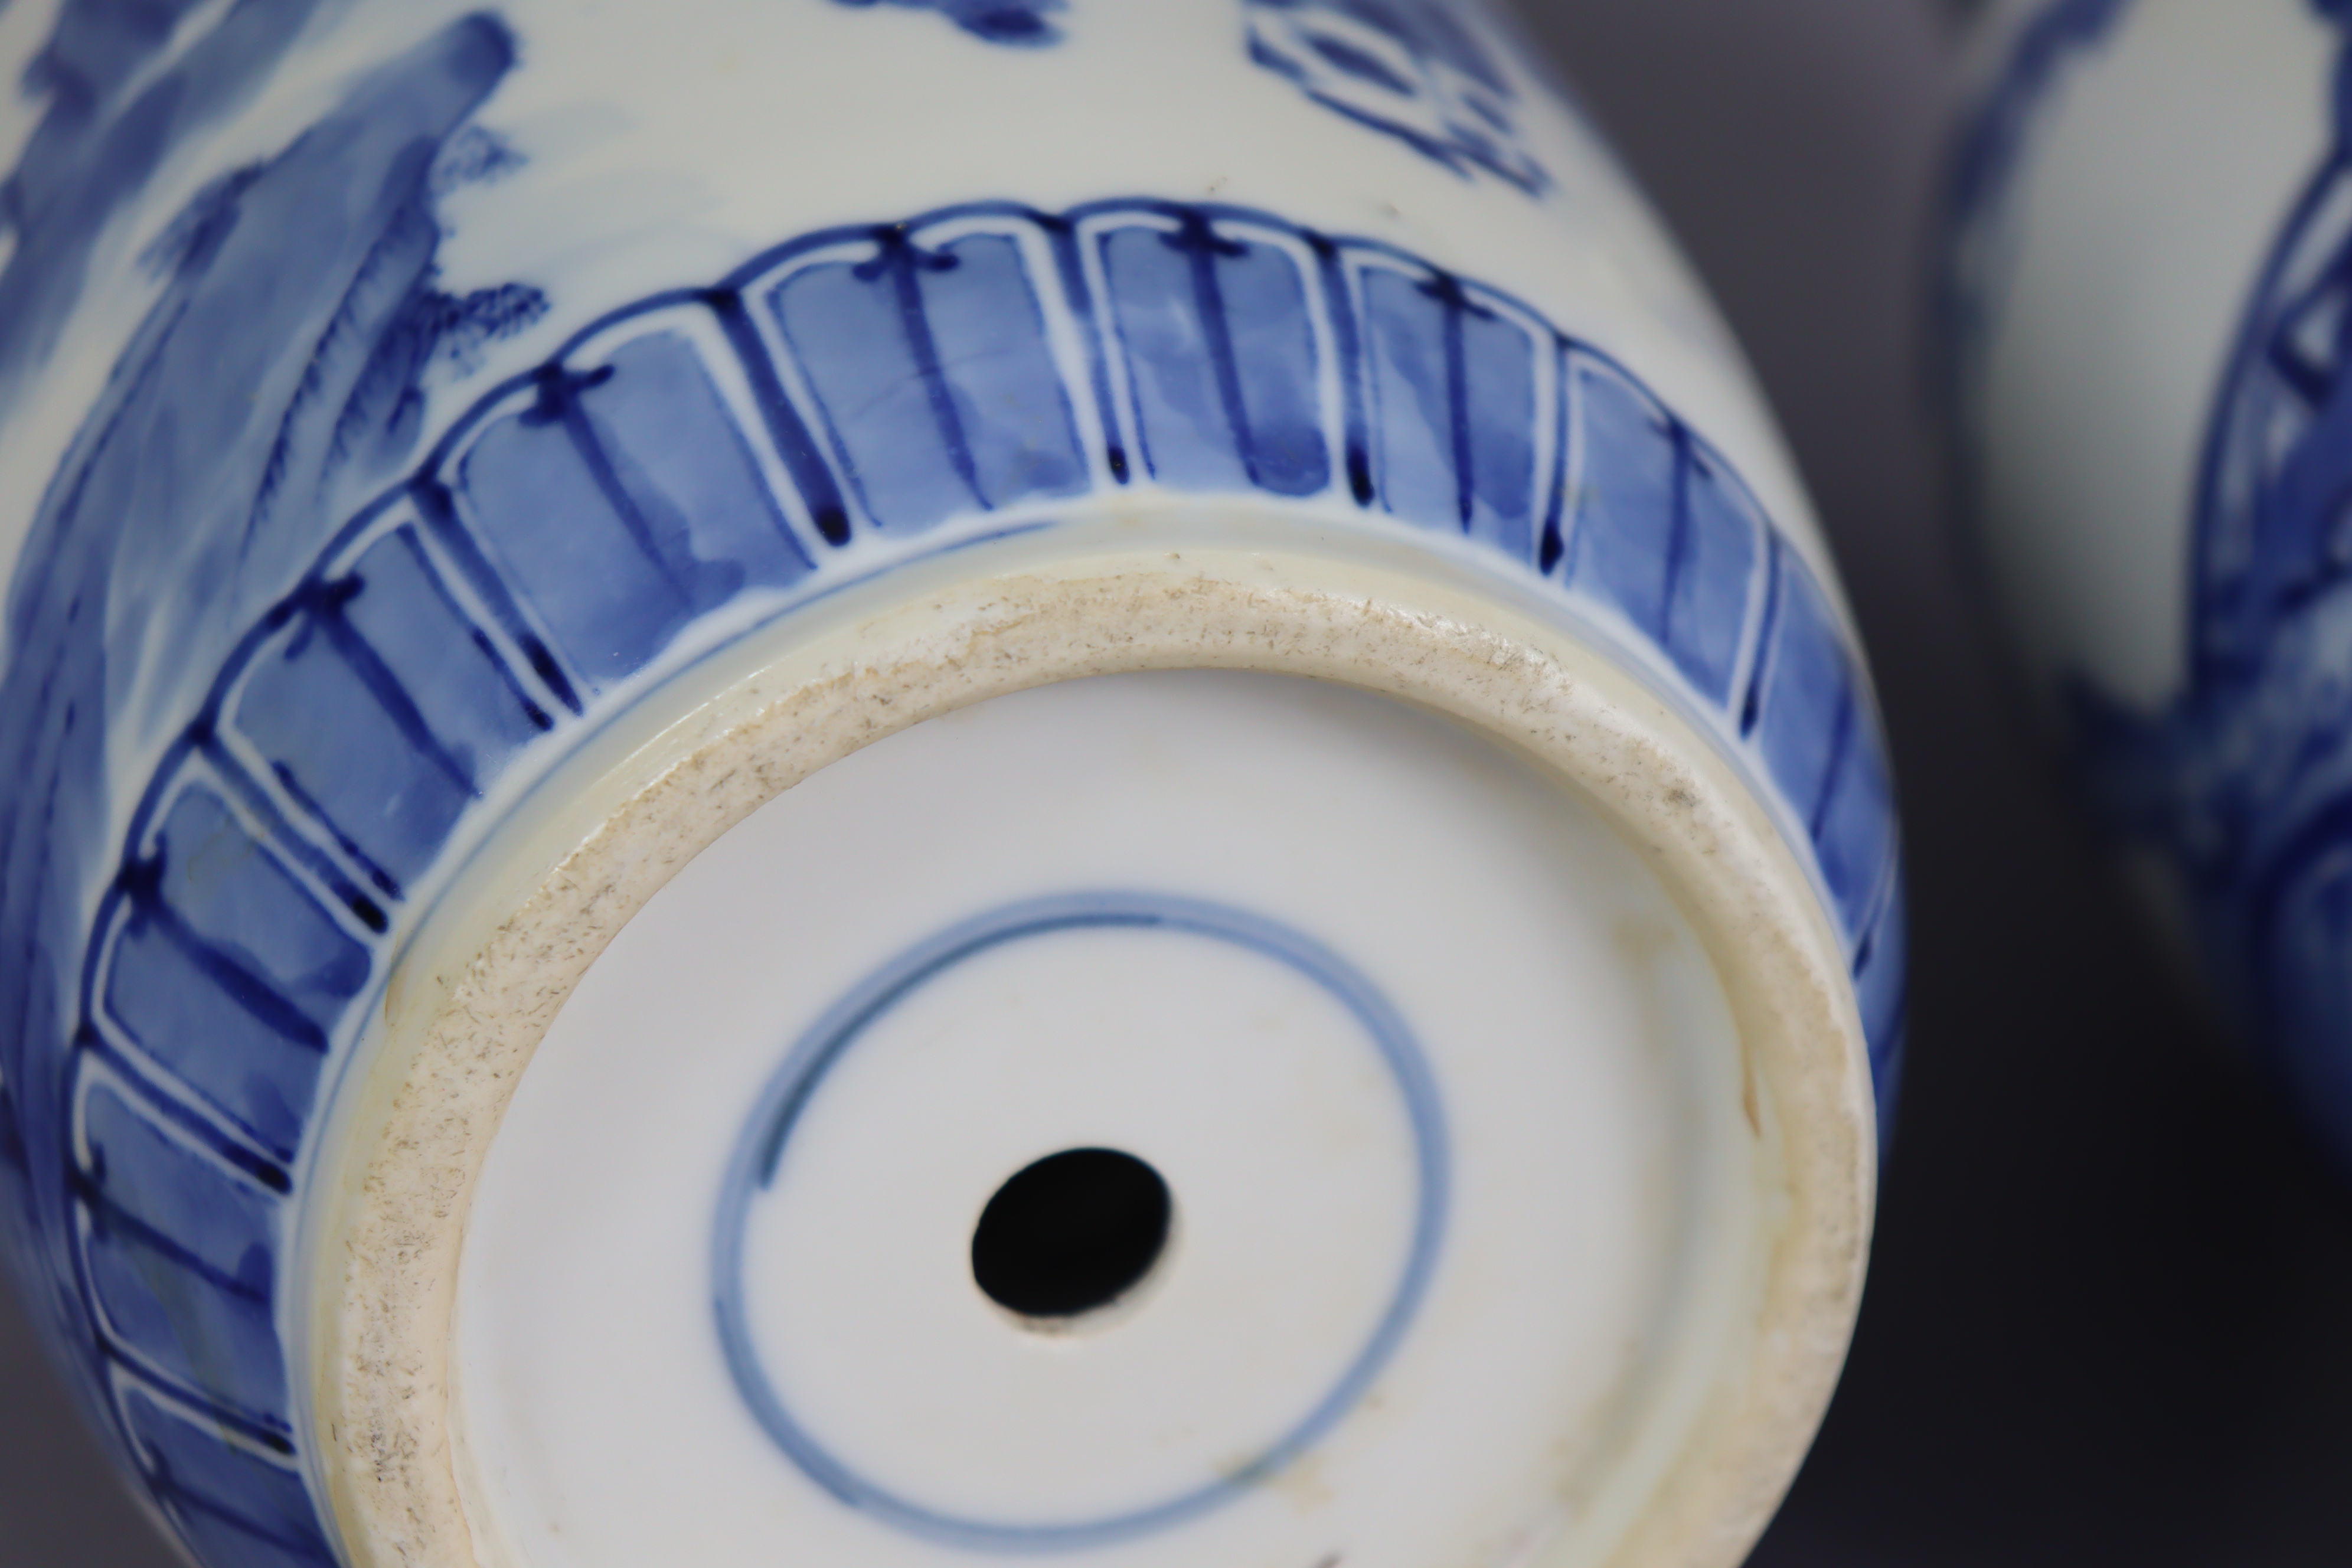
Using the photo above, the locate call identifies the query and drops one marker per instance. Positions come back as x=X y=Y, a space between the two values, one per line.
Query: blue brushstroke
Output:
x=1414 y=69
x=2244 y=780
x=276 y=376
x=953 y=338
x=1221 y=357
x=1020 y=23
x=238 y=1500
x=115 y=112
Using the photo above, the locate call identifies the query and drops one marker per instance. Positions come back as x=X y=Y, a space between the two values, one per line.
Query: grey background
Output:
x=2109 y=1317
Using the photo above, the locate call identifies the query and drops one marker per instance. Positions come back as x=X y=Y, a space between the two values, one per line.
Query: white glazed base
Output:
x=1564 y=1276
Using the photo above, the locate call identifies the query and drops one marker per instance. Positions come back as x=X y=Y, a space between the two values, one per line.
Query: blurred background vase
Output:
x=2146 y=298
x=911 y=781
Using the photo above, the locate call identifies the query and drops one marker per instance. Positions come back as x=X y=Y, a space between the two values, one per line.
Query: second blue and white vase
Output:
x=2147 y=295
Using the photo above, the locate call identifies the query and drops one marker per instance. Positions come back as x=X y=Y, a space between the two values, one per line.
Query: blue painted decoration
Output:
x=1414 y=69
x=761 y=1151
x=227 y=448
x=2244 y=780
x=119 y=101
x=317 y=657
x=1021 y=22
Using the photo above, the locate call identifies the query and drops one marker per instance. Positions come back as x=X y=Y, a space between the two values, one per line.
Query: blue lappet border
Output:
x=707 y=459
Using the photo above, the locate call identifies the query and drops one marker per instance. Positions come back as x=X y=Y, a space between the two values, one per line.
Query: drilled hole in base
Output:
x=1070 y=1233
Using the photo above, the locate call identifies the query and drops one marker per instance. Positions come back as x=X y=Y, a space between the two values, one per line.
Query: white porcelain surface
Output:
x=1568 y=1022
x=2116 y=273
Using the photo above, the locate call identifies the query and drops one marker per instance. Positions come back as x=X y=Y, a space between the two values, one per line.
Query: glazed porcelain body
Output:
x=906 y=783
x=2147 y=297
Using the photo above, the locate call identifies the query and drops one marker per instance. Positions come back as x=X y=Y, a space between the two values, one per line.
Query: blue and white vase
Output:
x=907 y=783
x=2147 y=295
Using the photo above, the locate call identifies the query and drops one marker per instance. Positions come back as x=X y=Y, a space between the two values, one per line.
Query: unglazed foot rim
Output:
x=496 y=961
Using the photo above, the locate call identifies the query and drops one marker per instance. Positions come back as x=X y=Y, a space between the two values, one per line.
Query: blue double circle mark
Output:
x=760 y=1149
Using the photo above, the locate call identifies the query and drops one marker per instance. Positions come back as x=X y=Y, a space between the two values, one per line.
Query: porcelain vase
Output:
x=907 y=784
x=2146 y=298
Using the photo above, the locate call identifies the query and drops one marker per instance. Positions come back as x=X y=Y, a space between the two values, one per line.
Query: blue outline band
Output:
x=761 y=1148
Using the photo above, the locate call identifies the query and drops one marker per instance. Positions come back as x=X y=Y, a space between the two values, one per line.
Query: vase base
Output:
x=1133 y=1057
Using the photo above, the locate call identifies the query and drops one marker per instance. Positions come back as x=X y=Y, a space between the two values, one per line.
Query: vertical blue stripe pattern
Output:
x=582 y=527
x=1220 y=359
x=239 y=1503
x=1453 y=394
x=947 y=343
